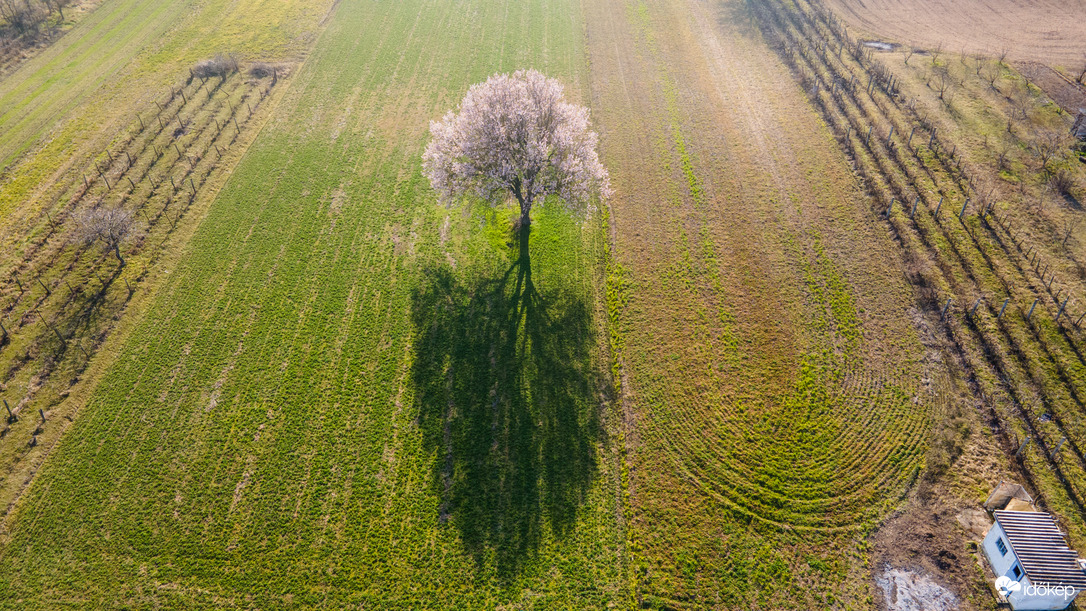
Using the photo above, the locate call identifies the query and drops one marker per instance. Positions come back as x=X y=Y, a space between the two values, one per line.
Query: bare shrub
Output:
x=262 y=70
x=1061 y=181
x=220 y=66
x=907 y=51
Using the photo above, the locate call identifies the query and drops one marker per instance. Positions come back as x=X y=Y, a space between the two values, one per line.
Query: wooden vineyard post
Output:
x=42 y=414
x=11 y=416
x=890 y=135
x=937 y=208
x=3 y=331
x=47 y=291
x=1062 y=307
x=947 y=306
x=46 y=323
x=973 y=312
x=964 y=206
x=910 y=142
x=916 y=203
x=141 y=122
x=1022 y=448
x=890 y=208
x=868 y=139
x=932 y=138
x=1080 y=319
x=1030 y=314
x=1004 y=307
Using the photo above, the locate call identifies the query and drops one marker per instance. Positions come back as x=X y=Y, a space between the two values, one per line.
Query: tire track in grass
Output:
x=739 y=475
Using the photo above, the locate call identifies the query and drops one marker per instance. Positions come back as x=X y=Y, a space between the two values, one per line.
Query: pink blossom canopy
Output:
x=516 y=135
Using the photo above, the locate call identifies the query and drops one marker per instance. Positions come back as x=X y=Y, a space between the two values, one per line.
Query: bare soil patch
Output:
x=1048 y=31
x=1069 y=95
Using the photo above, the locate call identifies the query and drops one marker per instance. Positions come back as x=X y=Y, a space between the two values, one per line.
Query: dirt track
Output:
x=1049 y=31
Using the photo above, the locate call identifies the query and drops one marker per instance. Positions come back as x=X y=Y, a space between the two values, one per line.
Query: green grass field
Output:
x=327 y=390
x=298 y=420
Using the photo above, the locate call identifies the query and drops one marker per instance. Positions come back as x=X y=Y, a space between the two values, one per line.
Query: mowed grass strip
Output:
x=323 y=406
x=66 y=105
x=773 y=380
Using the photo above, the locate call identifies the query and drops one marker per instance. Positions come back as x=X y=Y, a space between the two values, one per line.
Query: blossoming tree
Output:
x=515 y=136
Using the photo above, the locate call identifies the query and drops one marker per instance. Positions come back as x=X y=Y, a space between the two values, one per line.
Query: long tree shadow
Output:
x=508 y=399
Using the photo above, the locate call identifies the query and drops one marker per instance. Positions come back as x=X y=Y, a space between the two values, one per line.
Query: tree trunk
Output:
x=117 y=251
x=525 y=230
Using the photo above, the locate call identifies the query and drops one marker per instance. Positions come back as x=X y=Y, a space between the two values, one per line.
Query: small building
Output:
x=1078 y=130
x=1033 y=566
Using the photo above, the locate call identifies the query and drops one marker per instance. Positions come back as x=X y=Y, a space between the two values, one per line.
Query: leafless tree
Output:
x=1004 y=157
x=935 y=53
x=108 y=225
x=1068 y=227
x=1003 y=56
x=992 y=73
x=22 y=16
x=1049 y=145
x=1082 y=73
x=515 y=135
x=943 y=81
x=907 y=51
x=1021 y=105
x=57 y=5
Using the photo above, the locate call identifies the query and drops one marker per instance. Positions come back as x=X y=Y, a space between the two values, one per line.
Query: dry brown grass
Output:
x=1030 y=30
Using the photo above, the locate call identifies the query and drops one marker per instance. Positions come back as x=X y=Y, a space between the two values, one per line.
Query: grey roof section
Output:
x=1041 y=548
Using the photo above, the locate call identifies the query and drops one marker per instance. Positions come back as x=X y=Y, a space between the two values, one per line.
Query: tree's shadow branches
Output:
x=507 y=395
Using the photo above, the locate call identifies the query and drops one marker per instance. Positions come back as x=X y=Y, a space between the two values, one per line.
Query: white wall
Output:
x=1024 y=599
x=1001 y=564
